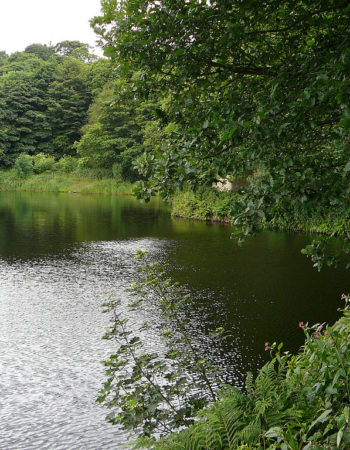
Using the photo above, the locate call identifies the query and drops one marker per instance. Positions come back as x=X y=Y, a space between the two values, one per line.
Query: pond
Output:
x=60 y=254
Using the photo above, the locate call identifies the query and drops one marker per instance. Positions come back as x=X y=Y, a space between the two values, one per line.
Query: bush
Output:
x=148 y=392
x=67 y=164
x=206 y=203
x=101 y=172
x=24 y=165
x=43 y=163
x=295 y=402
x=83 y=163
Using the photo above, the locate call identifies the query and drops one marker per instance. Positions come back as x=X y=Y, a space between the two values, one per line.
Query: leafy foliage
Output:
x=24 y=166
x=41 y=51
x=67 y=164
x=24 y=127
x=43 y=103
x=299 y=401
x=206 y=204
x=55 y=100
x=114 y=132
x=69 y=99
x=253 y=86
x=43 y=163
x=154 y=393
x=239 y=419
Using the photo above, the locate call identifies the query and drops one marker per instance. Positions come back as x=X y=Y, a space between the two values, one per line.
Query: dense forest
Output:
x=61 y=106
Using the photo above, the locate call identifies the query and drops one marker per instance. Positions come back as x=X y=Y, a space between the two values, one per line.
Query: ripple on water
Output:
x=50 y=336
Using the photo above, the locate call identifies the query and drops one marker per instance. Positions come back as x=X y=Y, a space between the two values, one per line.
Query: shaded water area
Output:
x=59 y=255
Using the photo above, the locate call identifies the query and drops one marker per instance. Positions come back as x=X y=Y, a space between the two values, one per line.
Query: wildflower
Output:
x=267 y=346
x=343 y=297
x=301 y=325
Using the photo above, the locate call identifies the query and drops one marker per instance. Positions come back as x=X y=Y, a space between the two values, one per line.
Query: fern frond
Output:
x=249 y=384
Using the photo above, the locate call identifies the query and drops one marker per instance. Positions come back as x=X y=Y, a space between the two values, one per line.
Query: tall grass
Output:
x=85 y=182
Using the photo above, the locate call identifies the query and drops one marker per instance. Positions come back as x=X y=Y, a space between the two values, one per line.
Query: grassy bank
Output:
x=211 y=205
x=85 y=182
x=206 y=204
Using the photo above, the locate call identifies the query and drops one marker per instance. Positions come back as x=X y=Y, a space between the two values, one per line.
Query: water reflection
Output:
x=60 y=253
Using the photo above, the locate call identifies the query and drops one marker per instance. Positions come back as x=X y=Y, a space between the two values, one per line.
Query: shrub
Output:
x=206 y=203
x=43 y=163
x=148 y=392
x=83 y=163
x=295 y=402
x=67 y=164
x=24 y=165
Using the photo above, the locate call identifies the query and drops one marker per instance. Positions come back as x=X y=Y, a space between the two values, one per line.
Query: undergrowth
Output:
x=205 y=204
x=296 y=402
x=211 y=205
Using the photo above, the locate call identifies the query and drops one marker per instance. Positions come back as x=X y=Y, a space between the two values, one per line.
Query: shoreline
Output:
x=207 y=206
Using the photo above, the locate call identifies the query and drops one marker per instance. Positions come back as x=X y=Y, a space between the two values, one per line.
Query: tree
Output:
x=113 y=133
x=24 y=127
x=69 y=98
x=41 y=51
x=76 y=49
x=44 y=99
x=3 y=57
x=99 y=73
x=21 y=62
x=257 y=87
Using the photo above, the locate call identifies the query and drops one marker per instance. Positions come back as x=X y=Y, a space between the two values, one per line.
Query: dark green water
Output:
x=60 y=253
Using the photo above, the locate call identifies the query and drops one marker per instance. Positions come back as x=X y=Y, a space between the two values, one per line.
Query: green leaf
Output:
x=109 y=51
x=340 y=436
x=322 y=418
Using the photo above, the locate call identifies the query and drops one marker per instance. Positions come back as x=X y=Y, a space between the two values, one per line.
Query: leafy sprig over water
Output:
x=149 y=392
x=170 y=400
x=296 y=402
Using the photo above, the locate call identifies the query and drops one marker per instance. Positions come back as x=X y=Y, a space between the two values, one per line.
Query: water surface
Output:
x=59 y=255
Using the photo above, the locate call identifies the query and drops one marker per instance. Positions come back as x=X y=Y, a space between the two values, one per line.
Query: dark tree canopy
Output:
x=44 y=99
x=62 y=101
x=259 y=87
x=75 y=49
x=42 y=51
x=69 y=98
